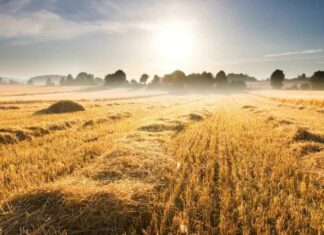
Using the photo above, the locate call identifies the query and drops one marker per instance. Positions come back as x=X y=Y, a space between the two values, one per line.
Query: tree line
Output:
x=179 y=80
x=315 y=82
x=204 y=80
x=82 y=79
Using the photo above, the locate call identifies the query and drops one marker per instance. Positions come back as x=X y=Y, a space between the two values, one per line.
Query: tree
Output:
x=144 y=78
x=277 y=78
x=69 y=80
x=194 y=80
x=134 y=83
x=203 y=80
x=13 y=82
x=116 y=79
x=241 y=76
x=30 y=82
x=304 y=86
x=120 y=76
x=221 y=79
x=207 y=75
x=62 y=81
x=49 y=82
x=99 y=81
x=237 y=84
x=1 y=80
x=317 y=80
x=156 y=82
x=207 y=79
x=302 y=77
x=84 y=78
x=178 y=79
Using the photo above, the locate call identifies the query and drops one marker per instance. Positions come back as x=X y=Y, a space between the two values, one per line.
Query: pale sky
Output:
x=39 y=37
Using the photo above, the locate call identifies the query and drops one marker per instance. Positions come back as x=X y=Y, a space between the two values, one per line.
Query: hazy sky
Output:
x=156 y=37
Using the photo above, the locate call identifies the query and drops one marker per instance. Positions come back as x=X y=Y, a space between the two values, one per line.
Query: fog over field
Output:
x=172 y=117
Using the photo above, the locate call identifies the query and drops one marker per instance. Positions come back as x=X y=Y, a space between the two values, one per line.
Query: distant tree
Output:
x=80 y=79
x=133 y=82
x=293 y=87
x=317 y=80
x=144 y=78
x=156 y=82
x=177 y=79
x=237 y=84
x=277 y=78
x=13 y=82
x=110 y=80
x=30 y=82
x=62 y=81
x=194 y=80
x=207 y=75
x=1 y=80
x=84 y=78
x=166 y=80
x=207 y=79
x=221 y=79
x=116 y=79
x=304 y=86
x=49 y=82
x=69 y=80
x=99 y=81
x=241 y=76
x=204 y=80
x=302 y=77
x=121 y=76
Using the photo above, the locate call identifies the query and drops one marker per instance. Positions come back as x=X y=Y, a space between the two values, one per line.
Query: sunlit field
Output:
x=151 y=162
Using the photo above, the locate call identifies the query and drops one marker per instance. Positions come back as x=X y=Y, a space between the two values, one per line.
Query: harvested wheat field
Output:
x=144 y=162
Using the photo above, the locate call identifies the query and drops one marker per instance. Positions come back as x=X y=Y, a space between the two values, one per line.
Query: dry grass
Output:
x=234 y=179
x=314 y=98
x=177 y=165
x=8 y=107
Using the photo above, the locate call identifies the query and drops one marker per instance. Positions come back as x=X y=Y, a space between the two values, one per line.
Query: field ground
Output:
x=147 y=162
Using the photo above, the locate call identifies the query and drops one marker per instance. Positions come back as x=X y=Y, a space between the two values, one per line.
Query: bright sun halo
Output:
x=174 y=42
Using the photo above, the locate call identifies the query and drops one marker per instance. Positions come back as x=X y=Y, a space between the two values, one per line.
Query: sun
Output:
x=174 y=42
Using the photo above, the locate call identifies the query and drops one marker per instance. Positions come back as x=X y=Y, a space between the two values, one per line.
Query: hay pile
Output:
x=63 y=106
x=8 y=107
x=302 y=134
x=195 y=117
x=162 y=127
x=7 y=139
x=13 y=135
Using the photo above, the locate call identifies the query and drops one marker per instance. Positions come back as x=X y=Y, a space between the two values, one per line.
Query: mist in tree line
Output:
x=194 y=81
x=205 y=80
x=315 y=82
x=174 y=80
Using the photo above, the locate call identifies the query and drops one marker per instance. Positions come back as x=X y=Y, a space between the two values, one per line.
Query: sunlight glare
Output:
x=174 y=42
